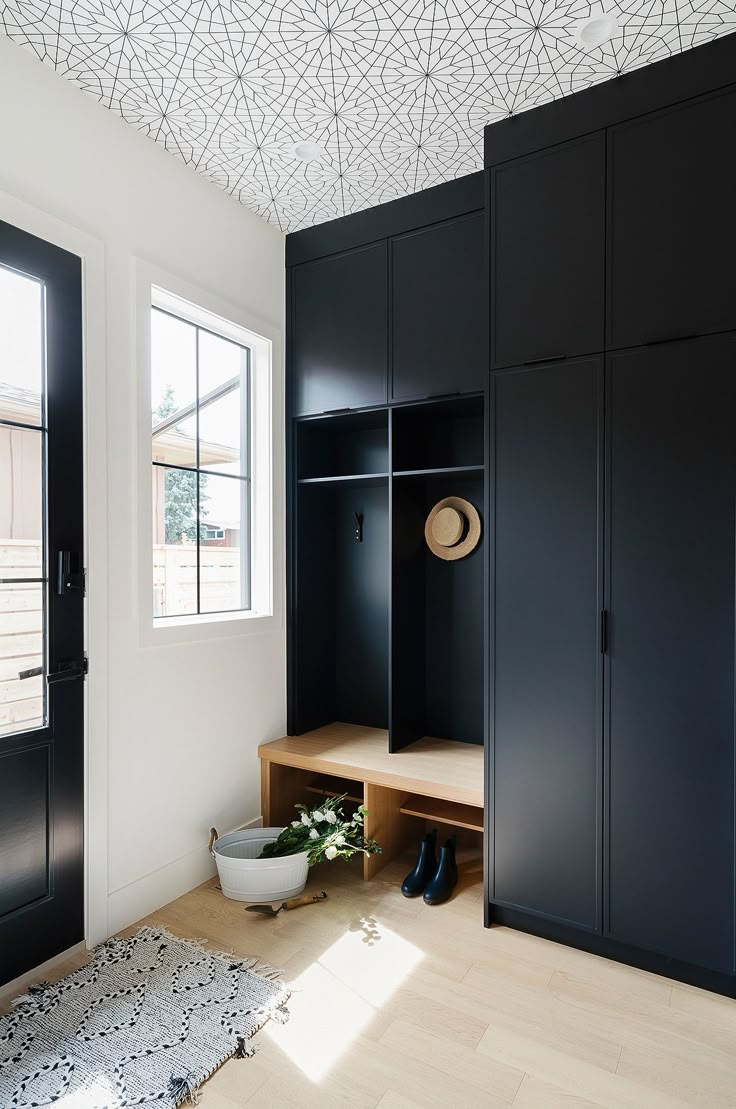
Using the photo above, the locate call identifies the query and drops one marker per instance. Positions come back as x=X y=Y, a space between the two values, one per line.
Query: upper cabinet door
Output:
x=548 y=253
x=439 y=321
x=340 y=331
x=672 y=228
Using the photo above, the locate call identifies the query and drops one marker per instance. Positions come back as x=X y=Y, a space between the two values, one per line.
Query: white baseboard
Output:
x=151 y=892
x=19 y=985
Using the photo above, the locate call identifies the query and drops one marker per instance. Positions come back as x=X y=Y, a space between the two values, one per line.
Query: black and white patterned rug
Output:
x=145 y=1022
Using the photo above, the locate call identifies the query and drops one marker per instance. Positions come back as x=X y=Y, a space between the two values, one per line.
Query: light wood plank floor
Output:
x=402 y=1006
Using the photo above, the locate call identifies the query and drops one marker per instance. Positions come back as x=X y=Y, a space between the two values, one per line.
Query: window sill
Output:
x=168 y=630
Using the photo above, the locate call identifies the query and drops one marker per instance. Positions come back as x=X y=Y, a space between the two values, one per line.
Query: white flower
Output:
x=296 y=823
x=306 y=819
x=340 y=840
x=330 y=817
x=317 y=816
x=331 y=852
x=357 y=819
x=314 y=834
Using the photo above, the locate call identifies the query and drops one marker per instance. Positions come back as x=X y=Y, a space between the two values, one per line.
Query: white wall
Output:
x=183 y=720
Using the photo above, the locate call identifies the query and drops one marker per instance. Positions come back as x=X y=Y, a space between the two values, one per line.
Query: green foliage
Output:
x=325 y=832
x=180 y=499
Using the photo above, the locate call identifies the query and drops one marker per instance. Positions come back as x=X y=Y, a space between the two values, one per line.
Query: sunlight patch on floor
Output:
x=98 y=1093
x=338 y=995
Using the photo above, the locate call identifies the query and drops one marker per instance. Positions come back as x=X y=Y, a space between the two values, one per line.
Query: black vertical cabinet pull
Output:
x=604 y=631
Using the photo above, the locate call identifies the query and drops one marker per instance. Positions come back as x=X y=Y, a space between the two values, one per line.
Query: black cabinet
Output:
x=672 y=232
x=546 y=661
x=672 y=477
x=439 y=333
x=548 y=253
x=339 y=331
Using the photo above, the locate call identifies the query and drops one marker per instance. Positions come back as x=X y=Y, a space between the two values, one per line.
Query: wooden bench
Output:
x=435 y=780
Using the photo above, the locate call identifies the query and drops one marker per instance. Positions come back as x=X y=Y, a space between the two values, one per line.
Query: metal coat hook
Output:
x=358 y=517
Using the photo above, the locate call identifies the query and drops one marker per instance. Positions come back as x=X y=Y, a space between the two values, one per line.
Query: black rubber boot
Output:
x=445 y=880
x=414 y=883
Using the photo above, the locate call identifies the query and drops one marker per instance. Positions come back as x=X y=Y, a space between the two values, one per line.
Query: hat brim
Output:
x=471 y=537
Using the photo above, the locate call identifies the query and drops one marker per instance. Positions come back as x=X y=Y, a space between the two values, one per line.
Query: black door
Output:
x=672 y=222
x=438 y=323
x=548 y=253
x=546 y=659
x=41 y=603
x=670 y=667
x=339 y=329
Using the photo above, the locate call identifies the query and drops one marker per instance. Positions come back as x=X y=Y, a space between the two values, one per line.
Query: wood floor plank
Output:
x=499 y=1081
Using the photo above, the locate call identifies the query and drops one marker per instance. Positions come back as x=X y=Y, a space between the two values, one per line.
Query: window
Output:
x=201 y=438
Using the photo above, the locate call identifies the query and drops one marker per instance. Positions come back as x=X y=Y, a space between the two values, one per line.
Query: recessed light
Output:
x=595 y=30
x=308 y=151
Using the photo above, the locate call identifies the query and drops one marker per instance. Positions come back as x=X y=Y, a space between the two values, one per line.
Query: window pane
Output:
x=22 y=701
x=219 y=362
x=174 y=542
x=21 y=511
x=173 y=378
x=21 y=347
x=176 y=444
x=219 y=434
x=223 y=571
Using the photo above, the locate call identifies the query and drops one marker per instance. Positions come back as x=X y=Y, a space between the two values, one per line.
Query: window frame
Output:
x=155 y=288
x=246 y=437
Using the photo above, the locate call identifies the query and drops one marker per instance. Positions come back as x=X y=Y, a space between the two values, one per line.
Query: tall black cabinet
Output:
x=612 y=743
x=387 y=384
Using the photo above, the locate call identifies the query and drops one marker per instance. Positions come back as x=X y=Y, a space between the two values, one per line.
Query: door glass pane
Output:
x=174 y=542
x=173 y=379
x=21 y=348
x=222 y=570
x=22 y=700
x=176 y=443
x=21 y=502
x=219 y=434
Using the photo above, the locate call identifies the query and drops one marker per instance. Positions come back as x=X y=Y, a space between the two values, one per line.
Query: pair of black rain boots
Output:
x=435 y=880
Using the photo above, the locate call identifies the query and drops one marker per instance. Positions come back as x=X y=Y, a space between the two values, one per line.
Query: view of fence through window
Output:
x=22 y=461
x=201 y=458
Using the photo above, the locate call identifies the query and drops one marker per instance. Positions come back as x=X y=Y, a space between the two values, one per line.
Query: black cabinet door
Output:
x=672 y=222
x=547 y=665
x=671 y=651
x=548 y=253
x=339 y=332
x=439 y=322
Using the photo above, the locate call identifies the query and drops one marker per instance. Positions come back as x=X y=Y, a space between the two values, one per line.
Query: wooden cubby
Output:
x=438 y=436
x=353 y=446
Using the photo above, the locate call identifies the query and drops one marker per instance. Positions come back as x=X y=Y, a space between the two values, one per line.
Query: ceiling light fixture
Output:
x=308 y=151
x=595 y=30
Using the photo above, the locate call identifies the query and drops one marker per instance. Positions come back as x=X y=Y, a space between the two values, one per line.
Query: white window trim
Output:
x=164 y=290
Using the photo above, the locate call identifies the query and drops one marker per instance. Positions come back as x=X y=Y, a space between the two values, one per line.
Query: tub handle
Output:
x=213 y=837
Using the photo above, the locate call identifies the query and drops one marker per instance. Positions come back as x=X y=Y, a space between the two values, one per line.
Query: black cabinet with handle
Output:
x=546 y=663
x=339 y=331
x=548 y=253
x=670 y=666
x=439 y=336
x=672 y=222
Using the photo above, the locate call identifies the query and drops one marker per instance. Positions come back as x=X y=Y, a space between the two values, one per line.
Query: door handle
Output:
x=68 y=672
x=34 y=672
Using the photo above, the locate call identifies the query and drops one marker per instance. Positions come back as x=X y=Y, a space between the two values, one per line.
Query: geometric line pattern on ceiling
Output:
x=396 y=92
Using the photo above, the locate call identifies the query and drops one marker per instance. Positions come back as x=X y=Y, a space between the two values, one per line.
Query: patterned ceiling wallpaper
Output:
x=396 y=92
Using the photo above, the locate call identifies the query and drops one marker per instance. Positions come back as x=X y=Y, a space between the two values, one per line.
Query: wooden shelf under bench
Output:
x=432 y=779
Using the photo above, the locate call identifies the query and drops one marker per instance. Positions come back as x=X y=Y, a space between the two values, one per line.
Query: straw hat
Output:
x=452 y=529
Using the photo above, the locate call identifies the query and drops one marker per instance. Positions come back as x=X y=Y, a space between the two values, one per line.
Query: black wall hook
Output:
x=358 y=517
